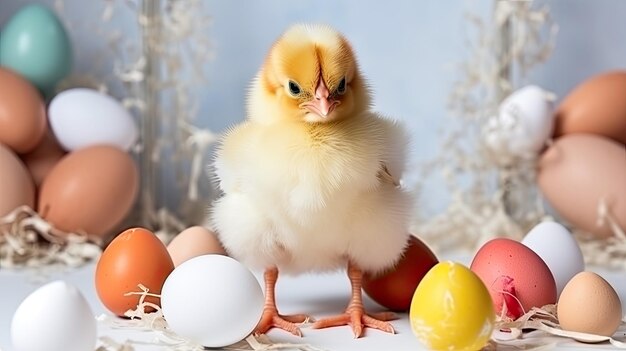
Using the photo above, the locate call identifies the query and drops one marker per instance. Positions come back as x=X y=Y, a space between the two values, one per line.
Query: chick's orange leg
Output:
x=355 y=315
x=270 y=318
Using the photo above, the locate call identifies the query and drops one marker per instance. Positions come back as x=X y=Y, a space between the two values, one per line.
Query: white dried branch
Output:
x=491 y=203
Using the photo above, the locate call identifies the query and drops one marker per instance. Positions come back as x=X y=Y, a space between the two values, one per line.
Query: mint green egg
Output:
x=35 y=44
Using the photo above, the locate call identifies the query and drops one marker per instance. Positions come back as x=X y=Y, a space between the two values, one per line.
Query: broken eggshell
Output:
x=523 y=124
x=55 y=317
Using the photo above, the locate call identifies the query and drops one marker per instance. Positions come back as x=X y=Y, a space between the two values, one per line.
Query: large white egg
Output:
x=212 y=300
x=83 y=117
x=558 y=249
x=523 y=124
x=55 y=317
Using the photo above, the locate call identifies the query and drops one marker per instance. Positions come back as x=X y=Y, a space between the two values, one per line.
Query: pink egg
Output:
x=517 y=278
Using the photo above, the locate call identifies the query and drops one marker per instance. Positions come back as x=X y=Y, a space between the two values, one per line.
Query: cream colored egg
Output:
x=589 y=304
x=192 y=242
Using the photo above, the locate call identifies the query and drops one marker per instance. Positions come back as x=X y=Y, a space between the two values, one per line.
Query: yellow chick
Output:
x=310 y=180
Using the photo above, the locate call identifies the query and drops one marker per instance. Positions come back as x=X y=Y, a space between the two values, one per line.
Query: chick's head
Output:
x=311 y=73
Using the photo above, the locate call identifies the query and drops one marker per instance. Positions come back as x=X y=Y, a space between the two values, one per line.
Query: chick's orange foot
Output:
x=355 y=315
x=271 y=319
x=358 y=319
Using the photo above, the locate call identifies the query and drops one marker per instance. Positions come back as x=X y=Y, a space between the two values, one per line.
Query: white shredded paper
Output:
x=492 y=194
x=155 y=322
x=27 y=240
x=545 y=320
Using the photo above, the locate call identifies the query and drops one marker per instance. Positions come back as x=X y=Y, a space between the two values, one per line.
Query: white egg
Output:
x=523 y=124
x=83 y=117
x=558 y=249
x=212 y=300
x=55 y=317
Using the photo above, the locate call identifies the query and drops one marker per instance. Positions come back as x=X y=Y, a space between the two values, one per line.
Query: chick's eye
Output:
x=294 y=88
x=341 y=88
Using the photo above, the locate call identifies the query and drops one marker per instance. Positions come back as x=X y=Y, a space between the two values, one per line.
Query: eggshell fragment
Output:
x=212 y=300
x=577 y=173
x=589 y=304
x=55 y=317
x=192 y=242
x=452 y=309
x=22 y=113
x=517 y=278
x=394 y=288
x=596 y=106
x=558 y=249
x=134 y=257
x=523 y=124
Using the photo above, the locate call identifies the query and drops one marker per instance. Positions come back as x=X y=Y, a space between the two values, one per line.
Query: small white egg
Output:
x=83 y=117
x=55 y=317
x=558 y=249
x=212 y=300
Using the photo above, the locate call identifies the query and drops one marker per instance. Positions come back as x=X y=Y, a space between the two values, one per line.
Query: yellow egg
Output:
x=452 y=309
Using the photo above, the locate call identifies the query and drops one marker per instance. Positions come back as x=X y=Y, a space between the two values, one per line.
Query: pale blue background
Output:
x=407 y=49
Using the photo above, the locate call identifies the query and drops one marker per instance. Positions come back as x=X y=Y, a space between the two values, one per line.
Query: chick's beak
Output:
x=322 y=104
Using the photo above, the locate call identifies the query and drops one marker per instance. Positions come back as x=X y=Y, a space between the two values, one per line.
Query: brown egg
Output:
x=589 y=304
x=394 y=289
x=135 y=257
x=597 y=106
x=90 y=190
x=43 y=158
x=192 y=242
x=22 y=113
x=16 y=186
x=580 y=170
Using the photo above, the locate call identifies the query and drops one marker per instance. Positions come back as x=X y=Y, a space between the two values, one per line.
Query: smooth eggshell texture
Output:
x=192 y=242
x=55 y=317
x=580 y=170
x=558 y=249
x=394 y=288
x=589 y=304
x=83 y=117
x=43 y=158
x=508 y=268
x=452 y=309
x=16 y=186
x=22 y=113
x=134 y=257
x=90 y=190
x=35 y=44
x=212 y=300
x=597 y=106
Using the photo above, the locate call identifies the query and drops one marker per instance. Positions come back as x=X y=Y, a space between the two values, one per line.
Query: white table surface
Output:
x=317 y=295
